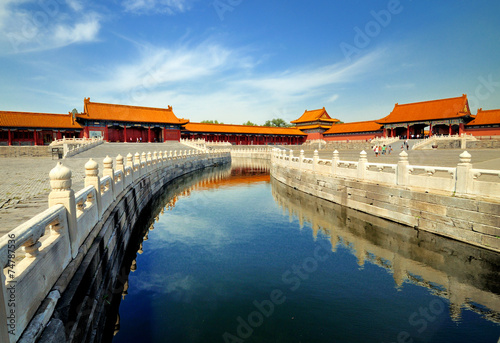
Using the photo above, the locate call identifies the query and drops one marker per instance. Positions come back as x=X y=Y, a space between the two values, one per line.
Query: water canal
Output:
x=234 y=256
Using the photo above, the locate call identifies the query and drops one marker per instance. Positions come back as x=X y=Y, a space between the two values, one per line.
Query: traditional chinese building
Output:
x=361 y=130
x=25 y=128
x=243 y=134
x=444 y=116
x=314 y=123
x=485 y=123
x=122 y=123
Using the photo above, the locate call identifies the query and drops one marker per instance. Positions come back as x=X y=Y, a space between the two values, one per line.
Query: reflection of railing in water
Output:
x=464 y=272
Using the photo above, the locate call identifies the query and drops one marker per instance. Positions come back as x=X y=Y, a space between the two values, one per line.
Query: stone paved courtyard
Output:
x=25 y=184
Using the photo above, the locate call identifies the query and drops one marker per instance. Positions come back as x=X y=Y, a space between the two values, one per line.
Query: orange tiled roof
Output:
x=229 y=128
x=359 y=126
x=315 y=115
x=486 y=117
x=112 y=112
x=314 y=126
x=37 y=120
x=428 y=110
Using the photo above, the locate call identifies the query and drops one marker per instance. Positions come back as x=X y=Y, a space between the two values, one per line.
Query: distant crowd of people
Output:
x=383 y=149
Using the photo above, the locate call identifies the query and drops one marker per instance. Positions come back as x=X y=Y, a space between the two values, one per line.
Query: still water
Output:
x=237 y=257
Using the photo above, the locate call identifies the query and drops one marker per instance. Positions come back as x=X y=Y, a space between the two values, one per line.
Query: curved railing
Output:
x=34 y=255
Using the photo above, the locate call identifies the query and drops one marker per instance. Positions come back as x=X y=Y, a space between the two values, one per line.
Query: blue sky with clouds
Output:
x=239 y=60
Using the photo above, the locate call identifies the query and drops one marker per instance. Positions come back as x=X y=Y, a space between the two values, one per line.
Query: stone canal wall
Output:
x=60 y=265
x=461 y=203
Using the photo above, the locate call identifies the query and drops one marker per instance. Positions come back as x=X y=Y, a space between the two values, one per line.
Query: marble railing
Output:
x=462 y=179
x=34 y=255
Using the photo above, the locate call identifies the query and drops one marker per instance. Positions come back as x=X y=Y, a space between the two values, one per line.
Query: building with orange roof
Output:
x=26 y=128
x=314 y=123
x=361 y=130
x=123 y=123
x=485 y=123
x=243 y=134
x=443 y=116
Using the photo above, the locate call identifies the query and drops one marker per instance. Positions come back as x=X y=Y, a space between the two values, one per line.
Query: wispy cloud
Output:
x=41 y=26
x=157 y=6
x=213 y=81
x=75 y=5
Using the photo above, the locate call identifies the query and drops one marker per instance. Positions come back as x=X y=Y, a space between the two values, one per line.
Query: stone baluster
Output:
x=148 y=159
x=362 y=165
x=155 y=158
x=137 y=158
x=464 y=178
x=130 y=162
x=301 y=159
x=92 y=179
x=119 y=164
x=109 y=171
x=402 y=169
x=60 y=182
x=290 y=158
x=143 y=163
x=335 y=162
x=315 y=160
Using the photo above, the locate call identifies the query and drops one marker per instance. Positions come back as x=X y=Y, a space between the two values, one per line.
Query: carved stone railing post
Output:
x=335 y=162
x=92 y=179
x=60 y=182
x=109 y=171
x=290 y=161
x=315 y=161
x=119 y=164
x=402 y=169
x=137 y=158
x=463 y=173
x=362 y=165
x=301 y=159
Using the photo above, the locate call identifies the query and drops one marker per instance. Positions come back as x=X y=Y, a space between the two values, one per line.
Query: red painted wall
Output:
x=355 y=137
x=486 y=131
x=172 y=135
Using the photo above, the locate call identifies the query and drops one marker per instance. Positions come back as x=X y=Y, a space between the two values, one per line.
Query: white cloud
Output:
x=75 y=5
x=332 y=98
x=212 y=81
x=157 y=6
x=44 y=26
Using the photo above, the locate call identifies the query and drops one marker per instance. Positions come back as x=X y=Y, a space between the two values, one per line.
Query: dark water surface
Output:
x=241 y=258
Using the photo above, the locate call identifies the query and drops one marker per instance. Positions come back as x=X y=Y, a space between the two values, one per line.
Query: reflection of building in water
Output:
x=463 y=274
x=240 y=173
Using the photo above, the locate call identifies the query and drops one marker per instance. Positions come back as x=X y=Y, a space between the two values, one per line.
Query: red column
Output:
x=408 y=132
x=449 y=129
x=10 y=137
x=59 y=135
x=164 y=134
x=149 y=134
x=34 y=137
x=106 y=133
x=461 y=128
x=124 y=134
x=86 y=132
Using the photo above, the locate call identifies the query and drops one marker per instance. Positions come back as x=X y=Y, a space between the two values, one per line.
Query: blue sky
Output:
x=239 y=60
